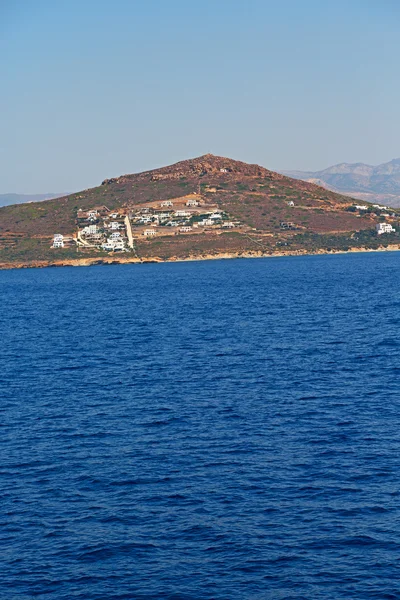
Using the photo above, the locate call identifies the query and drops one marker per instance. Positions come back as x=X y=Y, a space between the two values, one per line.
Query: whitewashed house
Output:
x=192 y=202
x=290 y=203
x=114 y=225
x=115 y=235
x=90 y=230
x=182 y=213
x=166 y=203
x=361 y=207
x=384 y=228
x=185 y=229
x=95 y=237
x=58 y=241
x=149 y=232
x=228 y=224
x=113 y=245
x=118 y=244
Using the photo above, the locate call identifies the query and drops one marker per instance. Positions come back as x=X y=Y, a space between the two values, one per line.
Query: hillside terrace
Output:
x=115 y=230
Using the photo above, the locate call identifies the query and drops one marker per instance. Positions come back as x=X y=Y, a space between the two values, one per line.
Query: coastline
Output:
x=121 y=260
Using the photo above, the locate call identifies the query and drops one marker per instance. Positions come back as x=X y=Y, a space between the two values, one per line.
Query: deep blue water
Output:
x=211 y=430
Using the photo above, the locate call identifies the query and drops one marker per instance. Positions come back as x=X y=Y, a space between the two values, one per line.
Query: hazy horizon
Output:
x=60 y=194
x=99 y=90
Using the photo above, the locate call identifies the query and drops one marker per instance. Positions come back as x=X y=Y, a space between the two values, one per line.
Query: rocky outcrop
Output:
x=209 y=165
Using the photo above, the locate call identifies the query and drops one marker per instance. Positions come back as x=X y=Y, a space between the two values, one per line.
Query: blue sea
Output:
x=223 y=430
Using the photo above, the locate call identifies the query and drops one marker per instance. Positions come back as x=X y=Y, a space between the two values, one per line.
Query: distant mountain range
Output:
x=8 y=199
x=365 y=182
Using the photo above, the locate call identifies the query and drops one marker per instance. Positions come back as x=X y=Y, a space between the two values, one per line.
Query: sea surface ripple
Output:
x=207 y=430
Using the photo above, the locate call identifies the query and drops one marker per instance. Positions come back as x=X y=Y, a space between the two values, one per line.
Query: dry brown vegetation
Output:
x=258 y=198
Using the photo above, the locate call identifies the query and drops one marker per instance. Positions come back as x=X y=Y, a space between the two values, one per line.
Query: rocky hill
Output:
x=366 y=182
x=202 y=207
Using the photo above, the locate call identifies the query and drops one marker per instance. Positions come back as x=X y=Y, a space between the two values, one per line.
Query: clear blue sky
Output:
x=92 y=88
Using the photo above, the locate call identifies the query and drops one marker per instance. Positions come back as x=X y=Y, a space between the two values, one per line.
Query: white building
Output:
x=224 y=170
x=95 y=237
x=361 y=207
x=92 y=214
x=228 y=224
x=115 y=235
x=90 y=229
x=119 y=245
x=113 y=245
x=192 y=202
x=114 y=225
x=185 y=229
x=58 y=241
x=167 y=203
x=215 y=216
x=290 y=203
x=182 y=213
x=149 y=232
x=384 y=228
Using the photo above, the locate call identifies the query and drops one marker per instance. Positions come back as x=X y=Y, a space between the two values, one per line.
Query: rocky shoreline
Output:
x=121 y=260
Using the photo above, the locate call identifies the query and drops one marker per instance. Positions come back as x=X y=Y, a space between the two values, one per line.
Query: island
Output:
x=202 y=208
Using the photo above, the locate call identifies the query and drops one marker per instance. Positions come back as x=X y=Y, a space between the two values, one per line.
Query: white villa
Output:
x=149 y=232
x=182 y=213
x=228 y=224
x=384 y=228
x=361 y=207
x=192 y=202
x=115 y=235
x=114 y=225
x=166 y=203
x=113 y=244
x=90 y=230
x=185 y=229
x=94 y=237
x=58 y=241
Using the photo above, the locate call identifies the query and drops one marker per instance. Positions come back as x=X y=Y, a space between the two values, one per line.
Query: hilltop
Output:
x=366 y=182
x=201 y=207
